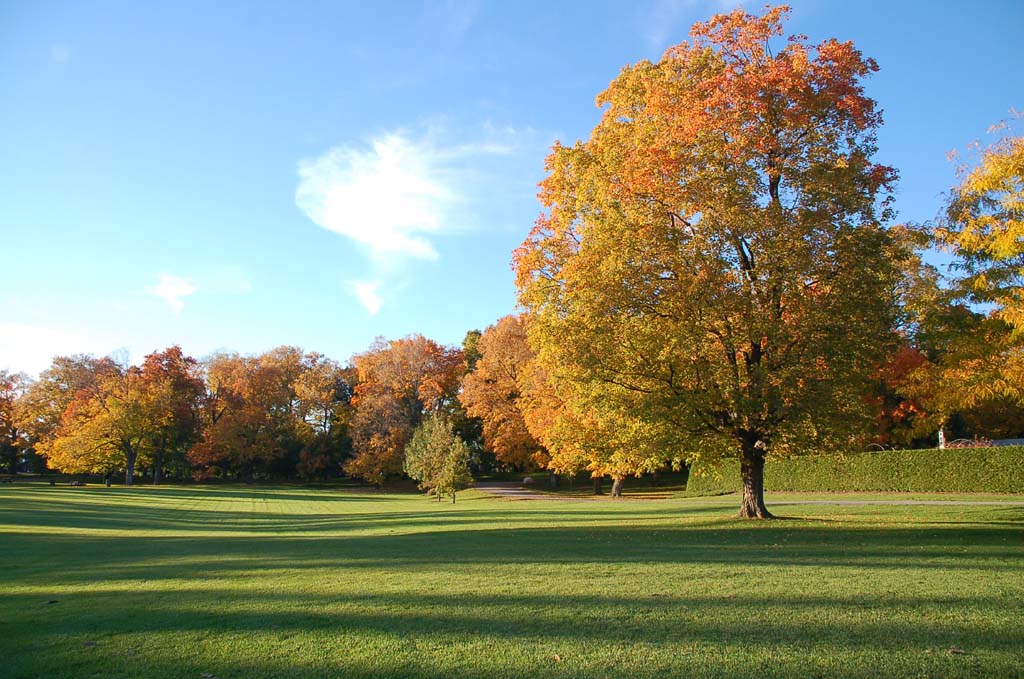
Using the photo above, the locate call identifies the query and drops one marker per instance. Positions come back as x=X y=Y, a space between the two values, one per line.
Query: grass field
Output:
x=292 y=582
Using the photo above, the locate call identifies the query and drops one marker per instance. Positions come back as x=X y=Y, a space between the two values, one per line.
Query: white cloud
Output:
x=173 y=290
x=395 y=196
x=389 y=198
x=366 y=293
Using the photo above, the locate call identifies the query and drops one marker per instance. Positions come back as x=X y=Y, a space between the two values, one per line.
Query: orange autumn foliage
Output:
x=493 y=392
x=399 y=382
x=711 y=276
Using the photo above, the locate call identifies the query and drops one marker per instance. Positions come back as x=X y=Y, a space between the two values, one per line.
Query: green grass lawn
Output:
x=293 y=582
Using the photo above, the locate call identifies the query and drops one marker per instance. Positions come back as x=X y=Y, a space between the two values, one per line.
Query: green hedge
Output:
x=953 y=470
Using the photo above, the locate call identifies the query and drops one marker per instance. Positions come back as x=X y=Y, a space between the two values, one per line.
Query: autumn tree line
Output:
x=717 y=271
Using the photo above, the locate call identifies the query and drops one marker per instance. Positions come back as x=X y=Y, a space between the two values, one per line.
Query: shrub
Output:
x=958 y=470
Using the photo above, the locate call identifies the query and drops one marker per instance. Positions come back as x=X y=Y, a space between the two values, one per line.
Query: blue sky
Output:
x=243 y=175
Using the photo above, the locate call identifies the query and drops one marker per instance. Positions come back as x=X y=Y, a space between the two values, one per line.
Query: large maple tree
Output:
x=711 y=267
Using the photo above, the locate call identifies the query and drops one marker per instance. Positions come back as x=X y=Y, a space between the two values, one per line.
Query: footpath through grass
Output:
x=289 y=582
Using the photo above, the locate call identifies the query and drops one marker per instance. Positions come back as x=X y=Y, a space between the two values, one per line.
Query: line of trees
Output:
x=714 y=275
x=281 y=414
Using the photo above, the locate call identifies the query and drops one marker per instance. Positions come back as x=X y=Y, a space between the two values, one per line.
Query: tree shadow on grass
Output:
x=644 y=593
x=239 y=492
x=111 y=513
x=416 y=547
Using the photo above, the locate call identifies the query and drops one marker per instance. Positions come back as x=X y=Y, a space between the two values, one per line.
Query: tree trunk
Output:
x=553 y=480
x=250 y=473
x=129 y=471
x=942 y=435
x=752 y=473
x=617 y=486
x=655 y=477
x=13 y=464
x=158 y=468
x=453 y=497
x=597 y=486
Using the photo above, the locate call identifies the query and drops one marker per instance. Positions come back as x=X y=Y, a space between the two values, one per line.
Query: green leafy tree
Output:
x=471 y=349
x=437 y=458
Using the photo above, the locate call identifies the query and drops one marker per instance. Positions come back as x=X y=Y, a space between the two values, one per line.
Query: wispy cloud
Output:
x=389 y=197
x=173 y=290
x=366 y=293
x=393 y=197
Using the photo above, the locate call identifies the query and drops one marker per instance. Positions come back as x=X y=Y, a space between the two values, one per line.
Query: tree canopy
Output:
x=711 y=272
x=983 y=227
x=400 y=381
x=493 y=392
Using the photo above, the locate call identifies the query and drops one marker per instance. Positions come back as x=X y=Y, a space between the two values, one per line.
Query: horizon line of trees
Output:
x=290 y=414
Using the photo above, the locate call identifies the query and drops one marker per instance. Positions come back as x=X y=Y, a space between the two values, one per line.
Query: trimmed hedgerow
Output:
x=953 y=470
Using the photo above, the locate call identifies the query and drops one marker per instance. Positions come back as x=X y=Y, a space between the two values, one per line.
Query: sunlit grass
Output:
x=293 y=582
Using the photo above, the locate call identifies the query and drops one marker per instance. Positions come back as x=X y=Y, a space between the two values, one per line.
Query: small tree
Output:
x=438 y=458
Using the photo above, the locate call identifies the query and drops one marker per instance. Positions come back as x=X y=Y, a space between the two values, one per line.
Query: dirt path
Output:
x=515 y=491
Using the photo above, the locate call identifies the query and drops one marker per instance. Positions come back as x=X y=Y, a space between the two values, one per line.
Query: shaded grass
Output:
x=292 y=582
